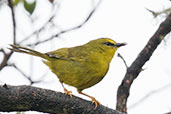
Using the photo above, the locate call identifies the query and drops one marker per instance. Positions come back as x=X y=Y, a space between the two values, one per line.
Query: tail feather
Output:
x=21 y=49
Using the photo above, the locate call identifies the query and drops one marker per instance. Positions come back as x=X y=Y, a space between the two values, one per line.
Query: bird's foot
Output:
x=94 y=101
x=68 y=92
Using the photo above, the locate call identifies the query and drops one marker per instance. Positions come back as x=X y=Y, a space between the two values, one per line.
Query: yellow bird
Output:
x=81 y=66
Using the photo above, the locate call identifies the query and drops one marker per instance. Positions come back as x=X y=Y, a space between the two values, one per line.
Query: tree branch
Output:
x=8 y=55
x=135 y=68
x=13 y=20
x=5 y=60
x=28 y=98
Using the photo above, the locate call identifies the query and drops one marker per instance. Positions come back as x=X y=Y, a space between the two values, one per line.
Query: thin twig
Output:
x=70 y=29
x=2 y=50
x=156 y=14
x=37 y=31
x=13 y=20
x=119 y=55
x=44 y=25
x=5 y=60
x=149 y=94
x=8 y=55
x=19 y=70
x=25 y=75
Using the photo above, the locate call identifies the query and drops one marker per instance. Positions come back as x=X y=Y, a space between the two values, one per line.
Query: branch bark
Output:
x=28 y=98
x=136 y=67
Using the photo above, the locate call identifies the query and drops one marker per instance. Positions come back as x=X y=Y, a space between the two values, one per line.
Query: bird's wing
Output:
x=74 y=54
x=58 y=54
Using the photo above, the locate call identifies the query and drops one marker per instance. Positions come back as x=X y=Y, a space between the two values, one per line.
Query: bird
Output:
x=81 y=66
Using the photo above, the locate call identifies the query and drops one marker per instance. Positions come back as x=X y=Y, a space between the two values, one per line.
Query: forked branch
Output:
x=135 y=68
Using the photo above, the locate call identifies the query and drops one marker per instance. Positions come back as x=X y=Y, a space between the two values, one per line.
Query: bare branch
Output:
x=135 y=68
x=70 y=29
x=28 y=98
x=156 y=14
x=2 y=50
x=19 y=70
x=150 y=94
x=8 y=55
x=13 y=20
x=54 y=10
x=39 y=30
x=119 y=55
x=5 y=60
x=26 y=76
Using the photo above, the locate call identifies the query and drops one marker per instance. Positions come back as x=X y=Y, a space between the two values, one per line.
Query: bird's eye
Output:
x=109 y=44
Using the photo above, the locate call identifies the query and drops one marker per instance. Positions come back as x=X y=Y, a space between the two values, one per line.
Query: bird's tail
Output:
x=21 y=49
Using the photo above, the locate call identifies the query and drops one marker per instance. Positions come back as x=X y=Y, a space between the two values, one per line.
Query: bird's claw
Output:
x=68 y=92
x=94 y=101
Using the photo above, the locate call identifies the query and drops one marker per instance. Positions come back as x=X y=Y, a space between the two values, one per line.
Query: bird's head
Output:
x=106 y=45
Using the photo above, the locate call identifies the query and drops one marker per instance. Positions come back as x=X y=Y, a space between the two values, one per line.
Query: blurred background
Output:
x=47 y=25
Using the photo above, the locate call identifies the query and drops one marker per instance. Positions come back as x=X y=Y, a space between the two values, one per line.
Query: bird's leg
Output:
x=66 y=91
x=94 y=101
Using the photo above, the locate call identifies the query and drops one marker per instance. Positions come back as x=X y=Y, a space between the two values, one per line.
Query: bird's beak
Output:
x=120 y=44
